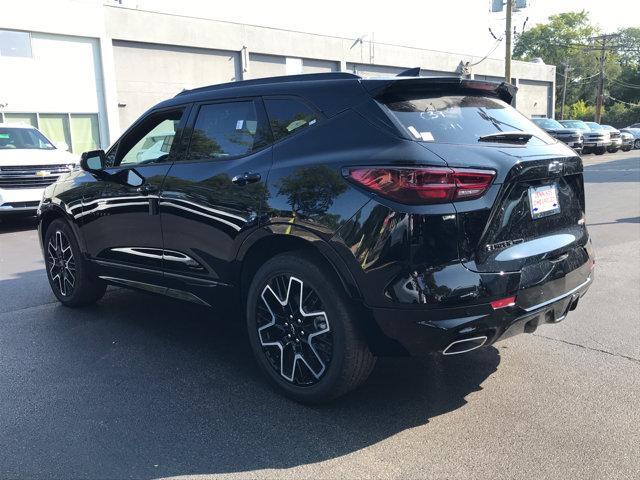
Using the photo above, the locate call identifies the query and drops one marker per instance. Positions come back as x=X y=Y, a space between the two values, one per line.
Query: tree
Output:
x=568 y=39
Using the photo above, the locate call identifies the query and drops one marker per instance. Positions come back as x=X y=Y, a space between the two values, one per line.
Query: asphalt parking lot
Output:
x=145 y=387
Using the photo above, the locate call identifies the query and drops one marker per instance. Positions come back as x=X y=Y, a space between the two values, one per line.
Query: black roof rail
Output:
x=305 y=77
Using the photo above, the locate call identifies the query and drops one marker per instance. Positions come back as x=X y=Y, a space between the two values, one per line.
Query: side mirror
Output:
x=93 y=161
x=62 y=146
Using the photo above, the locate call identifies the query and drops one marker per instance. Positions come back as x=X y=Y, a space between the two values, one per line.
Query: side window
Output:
x=151 y=141
x=287 y=116
x=226 y=130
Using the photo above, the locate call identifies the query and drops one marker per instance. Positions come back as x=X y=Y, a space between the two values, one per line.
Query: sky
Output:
x=458 y=26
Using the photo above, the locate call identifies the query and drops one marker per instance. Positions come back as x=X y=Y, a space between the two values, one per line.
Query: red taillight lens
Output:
x=503 y=302
x=427 y=185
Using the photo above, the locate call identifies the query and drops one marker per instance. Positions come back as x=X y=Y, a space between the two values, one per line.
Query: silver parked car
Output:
x=596 y=139
x=616 y=139
x=636 y=135
x=627 y=141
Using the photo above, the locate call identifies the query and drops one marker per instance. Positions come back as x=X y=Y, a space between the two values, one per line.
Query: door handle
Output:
x=246 y=177
x=146 y=189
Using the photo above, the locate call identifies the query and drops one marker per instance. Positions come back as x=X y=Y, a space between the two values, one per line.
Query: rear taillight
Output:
x=503 y=303
x=426 y=185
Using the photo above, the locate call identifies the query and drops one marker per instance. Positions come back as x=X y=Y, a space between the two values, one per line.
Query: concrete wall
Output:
x=148 y=73
x=140 y=57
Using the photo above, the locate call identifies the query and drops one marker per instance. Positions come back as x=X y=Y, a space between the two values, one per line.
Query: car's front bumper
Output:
x=420 y=332
x=20 y=200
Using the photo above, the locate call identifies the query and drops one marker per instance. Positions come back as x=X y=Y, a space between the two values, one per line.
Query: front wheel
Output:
x=612 y=150
x=303 y=331
x=600 y=150
x=67 y=271
x=636 y=143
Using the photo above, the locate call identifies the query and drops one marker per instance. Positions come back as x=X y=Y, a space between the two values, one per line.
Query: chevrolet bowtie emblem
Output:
x=556 y=167
x=42 y=173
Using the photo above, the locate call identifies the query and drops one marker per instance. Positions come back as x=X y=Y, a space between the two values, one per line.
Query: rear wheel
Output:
x=67 y=271
x=636 y=144
x=302 y=330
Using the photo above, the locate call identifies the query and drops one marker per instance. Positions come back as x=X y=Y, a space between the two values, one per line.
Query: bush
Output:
x=617 y=114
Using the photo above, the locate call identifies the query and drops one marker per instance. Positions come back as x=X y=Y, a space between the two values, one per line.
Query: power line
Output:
x=626 y=85
x=622 y=101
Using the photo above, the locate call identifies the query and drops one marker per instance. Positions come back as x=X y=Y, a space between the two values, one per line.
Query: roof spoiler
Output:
x=403 y=87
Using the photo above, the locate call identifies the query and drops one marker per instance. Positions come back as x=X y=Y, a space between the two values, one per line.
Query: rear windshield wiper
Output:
x=507 y=137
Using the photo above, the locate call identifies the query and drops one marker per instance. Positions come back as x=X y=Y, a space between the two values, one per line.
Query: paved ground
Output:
x=143 y=387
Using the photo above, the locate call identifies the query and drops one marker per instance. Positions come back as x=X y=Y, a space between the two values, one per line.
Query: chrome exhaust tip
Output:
x=465 y=345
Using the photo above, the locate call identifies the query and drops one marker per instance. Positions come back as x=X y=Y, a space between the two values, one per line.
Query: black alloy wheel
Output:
x=294 y=330
x=61 y=263
x=303 y=329
x=67 y=271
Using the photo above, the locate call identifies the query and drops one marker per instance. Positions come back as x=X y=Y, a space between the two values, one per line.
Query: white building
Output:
x=84 y=70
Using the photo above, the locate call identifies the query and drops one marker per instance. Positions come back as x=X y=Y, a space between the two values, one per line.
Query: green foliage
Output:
x=579 y=110
x=567 y=39
x=620 y=115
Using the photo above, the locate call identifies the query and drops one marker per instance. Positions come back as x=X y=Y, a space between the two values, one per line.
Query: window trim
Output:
x=187 y=107
x=319 y=120
x=261 y=114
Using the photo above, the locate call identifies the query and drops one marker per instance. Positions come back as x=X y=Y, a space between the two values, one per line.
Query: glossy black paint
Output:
x=421 y=275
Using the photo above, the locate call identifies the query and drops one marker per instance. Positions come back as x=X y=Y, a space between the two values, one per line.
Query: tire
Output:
x=586 y=151
x=612 y=150
x=626 y=149
x=67 y=271
x=636 y=143
x=600 y=150
x=323 y=365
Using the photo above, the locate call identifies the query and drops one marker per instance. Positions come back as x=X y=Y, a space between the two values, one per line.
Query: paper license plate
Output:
x=544 y=201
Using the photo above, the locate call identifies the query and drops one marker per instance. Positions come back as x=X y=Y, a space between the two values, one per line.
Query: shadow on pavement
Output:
x=144 y=387
x=17 y=223
x=619 y=220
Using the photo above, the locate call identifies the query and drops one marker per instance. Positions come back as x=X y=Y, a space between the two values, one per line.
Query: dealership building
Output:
x=83 y=70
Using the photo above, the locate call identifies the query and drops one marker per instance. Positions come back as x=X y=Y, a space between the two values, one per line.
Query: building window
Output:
x=80 y=131
x=15 y=44
x=55 y=126
x=27 y=118
x=85 y=135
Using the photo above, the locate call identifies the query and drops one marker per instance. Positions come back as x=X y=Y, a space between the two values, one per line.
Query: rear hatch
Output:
x=533 y=213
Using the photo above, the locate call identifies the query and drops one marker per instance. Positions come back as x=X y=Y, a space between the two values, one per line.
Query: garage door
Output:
x=534 y=98
x=148 y=73
x=374 y=70
x=261 y=66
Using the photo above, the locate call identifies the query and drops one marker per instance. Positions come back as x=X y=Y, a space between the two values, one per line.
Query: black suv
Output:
x=348 y=218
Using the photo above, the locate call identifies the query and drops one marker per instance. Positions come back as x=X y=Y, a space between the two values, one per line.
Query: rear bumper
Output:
x=421 y=332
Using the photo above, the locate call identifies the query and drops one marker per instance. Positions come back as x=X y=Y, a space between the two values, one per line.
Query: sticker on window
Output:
x=426 y=136
x=239 y=124
x=413 y=131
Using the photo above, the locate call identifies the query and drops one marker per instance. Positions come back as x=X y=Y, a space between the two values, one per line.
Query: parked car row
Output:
x=591 y=137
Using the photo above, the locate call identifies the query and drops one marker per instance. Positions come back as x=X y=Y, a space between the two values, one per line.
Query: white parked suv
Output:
x=29 y=162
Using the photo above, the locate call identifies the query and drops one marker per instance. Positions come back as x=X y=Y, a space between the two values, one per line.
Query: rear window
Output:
x=575 y=124
x=462 y=119
x=547 y=123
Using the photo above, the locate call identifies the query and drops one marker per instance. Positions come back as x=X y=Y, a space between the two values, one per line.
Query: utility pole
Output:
x=603 y=50
x=507 y=53
x=600 y=94
x=564 y=89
